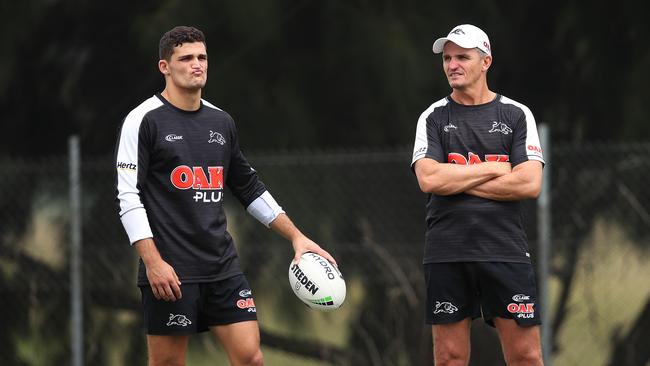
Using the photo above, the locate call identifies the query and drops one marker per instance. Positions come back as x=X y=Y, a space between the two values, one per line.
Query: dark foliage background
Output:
x=303 y=74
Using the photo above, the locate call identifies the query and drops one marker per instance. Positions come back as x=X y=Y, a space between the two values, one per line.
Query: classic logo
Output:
x=173 y=137
x=178 y=319
x=445 y=307
x=449 y=127
x=458 y=31
x=245 y=293
x=500 y=127
x=216 y=137
x=520 y=298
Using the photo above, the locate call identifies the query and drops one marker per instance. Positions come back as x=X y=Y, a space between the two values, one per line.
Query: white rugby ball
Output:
x=317 y=282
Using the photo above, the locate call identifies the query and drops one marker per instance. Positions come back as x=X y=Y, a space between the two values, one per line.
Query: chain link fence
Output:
x=366 y=209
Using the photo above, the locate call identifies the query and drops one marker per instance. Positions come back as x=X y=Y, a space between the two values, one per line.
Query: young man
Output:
x=477 y=154
x=174 y=155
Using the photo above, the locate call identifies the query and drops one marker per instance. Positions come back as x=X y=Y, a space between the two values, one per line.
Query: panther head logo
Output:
x=216 y=137
x=445 y=307
x=500 y=127
x=178 y=319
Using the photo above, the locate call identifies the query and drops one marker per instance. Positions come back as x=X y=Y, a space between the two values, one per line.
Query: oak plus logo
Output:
x=522 y=308
x=472 y=158
x=247 y=304
x=208 y=187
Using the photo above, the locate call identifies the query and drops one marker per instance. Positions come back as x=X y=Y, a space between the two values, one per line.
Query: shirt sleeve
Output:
x=132 y=160
x=242 y=179
x=526 y=145
x=427 y=140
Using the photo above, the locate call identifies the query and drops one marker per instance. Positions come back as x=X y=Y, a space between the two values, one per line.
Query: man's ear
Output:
x=487 y=62
x=163 y=66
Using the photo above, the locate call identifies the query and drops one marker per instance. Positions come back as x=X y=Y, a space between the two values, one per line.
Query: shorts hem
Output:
x=450 y=320
x=230 y=321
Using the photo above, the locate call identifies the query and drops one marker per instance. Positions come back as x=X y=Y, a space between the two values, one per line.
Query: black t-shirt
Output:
x=172 y=166
x=462 y=227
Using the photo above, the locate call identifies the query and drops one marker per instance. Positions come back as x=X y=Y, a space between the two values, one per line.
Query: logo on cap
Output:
x=458 y=31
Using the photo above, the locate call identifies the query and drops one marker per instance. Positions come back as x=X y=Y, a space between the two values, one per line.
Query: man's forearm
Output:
x=518 y=185
x=147 y=250
x=285 y=227
x=448 y=179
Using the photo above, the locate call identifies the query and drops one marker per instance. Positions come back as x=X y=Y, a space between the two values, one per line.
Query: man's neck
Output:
x=181 y=99
x=473 y=97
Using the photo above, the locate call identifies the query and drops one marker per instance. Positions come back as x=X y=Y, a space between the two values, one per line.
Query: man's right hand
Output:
x=164 y=282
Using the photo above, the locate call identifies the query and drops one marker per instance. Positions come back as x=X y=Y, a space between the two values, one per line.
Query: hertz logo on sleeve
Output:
x=126 y=166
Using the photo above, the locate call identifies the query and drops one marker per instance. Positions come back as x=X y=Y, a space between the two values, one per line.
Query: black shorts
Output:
x=459 y=290
x=202 y=305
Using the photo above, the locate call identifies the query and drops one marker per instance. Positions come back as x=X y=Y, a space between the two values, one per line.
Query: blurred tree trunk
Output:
x=632 y=349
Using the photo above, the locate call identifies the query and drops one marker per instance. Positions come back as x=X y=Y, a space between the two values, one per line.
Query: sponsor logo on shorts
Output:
x=445 y=307
x=520 y=308
x=178 y=319
x=520 y=298
x=247 y=304
x=245 y=293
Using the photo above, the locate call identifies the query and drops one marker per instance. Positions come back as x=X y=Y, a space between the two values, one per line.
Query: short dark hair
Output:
x=176 y=37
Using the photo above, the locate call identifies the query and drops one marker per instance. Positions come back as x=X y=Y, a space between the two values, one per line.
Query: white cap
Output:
x=466 y=36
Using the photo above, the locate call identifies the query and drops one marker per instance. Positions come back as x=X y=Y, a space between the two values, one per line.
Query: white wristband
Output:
x=265 y=209
x=136 y=225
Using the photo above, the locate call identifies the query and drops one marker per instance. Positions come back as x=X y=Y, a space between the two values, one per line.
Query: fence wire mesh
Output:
x=366 y=209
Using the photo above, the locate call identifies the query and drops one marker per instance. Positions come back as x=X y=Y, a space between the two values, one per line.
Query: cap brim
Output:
x=439 y=44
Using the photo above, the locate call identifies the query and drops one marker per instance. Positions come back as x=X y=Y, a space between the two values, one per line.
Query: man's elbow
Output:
x=533 y=191
x=435 y=188
x=425 y=186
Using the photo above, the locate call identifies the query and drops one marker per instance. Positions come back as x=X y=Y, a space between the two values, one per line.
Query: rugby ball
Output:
x=317 y=282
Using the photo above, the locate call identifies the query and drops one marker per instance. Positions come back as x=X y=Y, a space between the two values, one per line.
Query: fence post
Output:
x=544 y=243
x=76 y=300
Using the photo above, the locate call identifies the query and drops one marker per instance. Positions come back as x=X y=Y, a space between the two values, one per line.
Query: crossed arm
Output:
x=491 y=180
